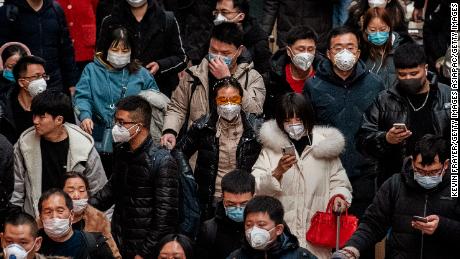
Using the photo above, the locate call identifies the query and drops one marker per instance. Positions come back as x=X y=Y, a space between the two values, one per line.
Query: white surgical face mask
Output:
x=121 y=134
x=228 y=111
x=15 y=251
x=345 y=60
x=79 y=205
x=37 y=86
x=303 y=60
x=136 y=3
x=295 y=131
x=118 y=60
x=258 y=238
x=377 y=3
x=56 y=227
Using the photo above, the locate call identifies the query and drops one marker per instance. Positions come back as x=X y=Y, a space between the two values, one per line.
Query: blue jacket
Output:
x=100 y=88
x=341 y=104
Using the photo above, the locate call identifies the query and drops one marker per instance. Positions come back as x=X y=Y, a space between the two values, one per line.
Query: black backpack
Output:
x=96 y=247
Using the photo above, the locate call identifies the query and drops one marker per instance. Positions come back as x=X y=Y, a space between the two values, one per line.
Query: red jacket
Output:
x=81 y=20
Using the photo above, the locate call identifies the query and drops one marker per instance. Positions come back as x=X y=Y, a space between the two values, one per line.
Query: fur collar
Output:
x=328 y=142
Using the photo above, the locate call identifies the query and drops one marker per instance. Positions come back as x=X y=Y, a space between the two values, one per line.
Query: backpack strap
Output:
x=196 y=81
x=93 y=241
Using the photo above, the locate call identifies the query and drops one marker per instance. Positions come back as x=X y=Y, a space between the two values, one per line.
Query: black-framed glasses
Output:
x=223 y=12
x=122 y=123
x=36 y=77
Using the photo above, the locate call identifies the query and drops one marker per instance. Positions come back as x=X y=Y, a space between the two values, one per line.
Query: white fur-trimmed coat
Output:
x=308 y=185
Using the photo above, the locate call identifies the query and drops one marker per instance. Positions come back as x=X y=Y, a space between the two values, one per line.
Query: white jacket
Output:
x=308 y=185
x=82 y=157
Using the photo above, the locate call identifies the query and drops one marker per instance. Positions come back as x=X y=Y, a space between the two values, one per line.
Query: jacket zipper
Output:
x=424 y=215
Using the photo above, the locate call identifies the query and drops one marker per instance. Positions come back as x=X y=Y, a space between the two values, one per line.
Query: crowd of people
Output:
x=168 y=129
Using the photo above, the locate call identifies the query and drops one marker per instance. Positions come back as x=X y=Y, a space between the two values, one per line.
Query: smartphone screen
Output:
x=400 y=126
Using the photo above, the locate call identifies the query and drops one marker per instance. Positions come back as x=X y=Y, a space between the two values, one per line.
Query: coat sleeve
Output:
x=105 y=197
x=83 y=97
x=254 y=93
x=66 y=54
x=17 y=197
x=376 y=221
x=166 y=202
x=178 y=59
x=94 y=172
x=271 y=8
x=190 y=143
x=150 y=83
x=266 y=184
x=448 y=230
x=178 y=107
x=6 y=171
x=339 y=183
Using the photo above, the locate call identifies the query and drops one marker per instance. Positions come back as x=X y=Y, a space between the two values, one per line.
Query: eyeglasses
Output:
x=428 y=173
x=223 y=12
x=338 y=48
x=224 y=100
x=36 y=77
x=235 y=204
x=122 y=123
x=383 y=29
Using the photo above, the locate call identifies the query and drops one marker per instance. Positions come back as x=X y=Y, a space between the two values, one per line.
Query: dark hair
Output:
x=52 y=102
x=268 y=204
x=71 y=175
x=409 y=55
x=54 y=191
x=229 y=33
x=292 y=105
x=139 y=109
x=13 y=50
x=341 y=30
x=120 y=36
x=184 y=241
x=227 y=82
x=394 y=10
x=22 y=218
x=24 y=62
x=374 y=51
x=238 y=182
x=242 y=5
x=300 y=33
x=429 y=146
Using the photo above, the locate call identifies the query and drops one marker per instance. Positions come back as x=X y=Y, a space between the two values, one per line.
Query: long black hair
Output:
x=184 y=242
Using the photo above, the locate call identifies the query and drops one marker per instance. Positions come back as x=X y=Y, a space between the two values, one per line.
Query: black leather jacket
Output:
x=391 y=107
x=145 y=190
x=201 y=138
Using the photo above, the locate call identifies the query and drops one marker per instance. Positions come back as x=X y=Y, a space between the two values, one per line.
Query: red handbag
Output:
x=323 y=228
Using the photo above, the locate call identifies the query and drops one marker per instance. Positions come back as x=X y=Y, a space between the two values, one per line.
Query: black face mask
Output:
x=411 y=86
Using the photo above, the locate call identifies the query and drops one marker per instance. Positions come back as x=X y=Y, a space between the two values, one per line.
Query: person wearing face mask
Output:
x=341 y=91
x=254 y=38
x=156 y=40
x=144 y=186
x=421 y=189
x=395 y=10
x=291 y=66
x=10 y=53
x=59 y=239
x=112 y=75
x=224 y=139
x=417 y=100
x=86 y=217
x=20 y=239
x=305 y=178
x=266 y=234
x=379 y=44
x=48 y=150
x=15 y=114
x=222 y=234
x=191 y=100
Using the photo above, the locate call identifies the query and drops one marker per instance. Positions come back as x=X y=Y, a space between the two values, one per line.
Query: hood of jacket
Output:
x=328 y=142
x=325 y=72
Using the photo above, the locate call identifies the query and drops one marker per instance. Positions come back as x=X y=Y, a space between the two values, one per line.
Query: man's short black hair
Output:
x=268 y=204
x=238 y=182
x=22 y=218
x=229 y=33
x=21 y=66
x=429 y=146
x=52 y=102
x=341 y=30
x=300 y=33
x=242 y=5
x=139 y=109
x=54 y=191
x=409 y=55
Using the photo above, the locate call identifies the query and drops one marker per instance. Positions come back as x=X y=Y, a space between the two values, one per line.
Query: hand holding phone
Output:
x=400 y=126
x=289 y=150
x=421 y=219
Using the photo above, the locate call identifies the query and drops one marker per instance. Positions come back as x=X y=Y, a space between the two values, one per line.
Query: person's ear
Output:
x=38 y=243
x=329 y=55
x=241 y=18
x=358 y=53
x=289 y=52
x=240 y=50
x=446 y=165
x=279 y=229
x=60 y=119
x=21 y=83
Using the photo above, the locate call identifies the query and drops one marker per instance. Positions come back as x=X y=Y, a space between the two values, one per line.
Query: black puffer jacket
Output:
x=391 y=107
x=155 y=38
x=256 y=41
x=400 y=198
x=46 y=34
x=201 y=138
x=145 y=190
x=219 y=236
x=6 y=176
x=289 y=13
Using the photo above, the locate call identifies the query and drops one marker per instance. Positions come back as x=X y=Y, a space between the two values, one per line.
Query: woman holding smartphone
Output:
x=299 y=164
